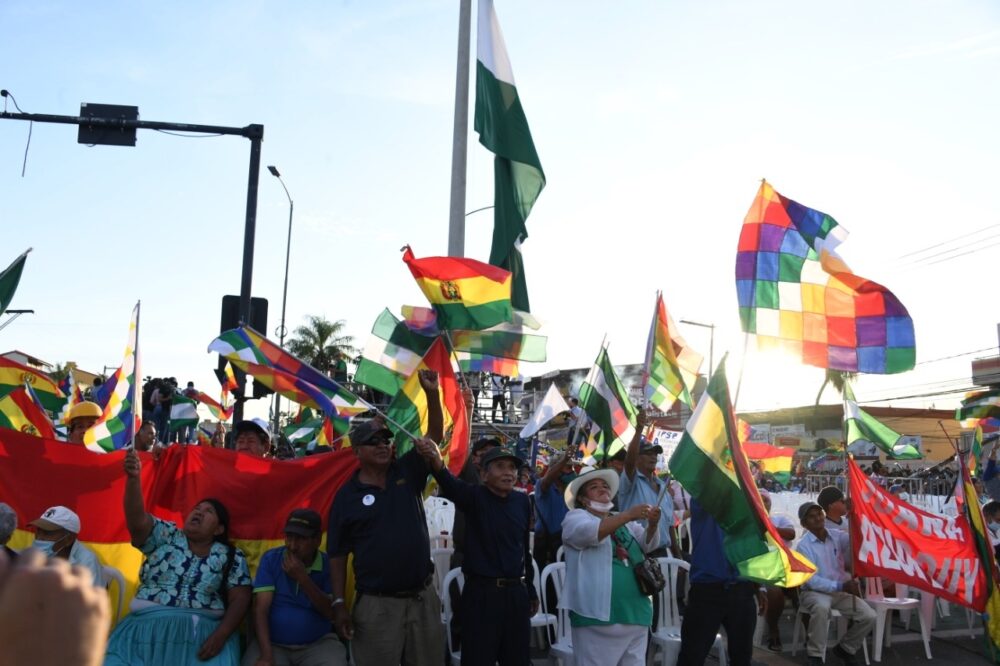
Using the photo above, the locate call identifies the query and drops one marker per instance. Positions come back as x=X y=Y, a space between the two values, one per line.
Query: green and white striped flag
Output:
x=862 y=426
x=606 y=402
x=503 y=129
x=183 y=412
x=392 y=354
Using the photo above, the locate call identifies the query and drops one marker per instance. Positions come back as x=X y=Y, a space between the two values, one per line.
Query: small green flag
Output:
x=862 y=426
x=9 y=280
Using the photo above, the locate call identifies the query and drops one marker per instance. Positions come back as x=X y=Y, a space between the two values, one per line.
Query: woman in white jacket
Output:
x=610 y=616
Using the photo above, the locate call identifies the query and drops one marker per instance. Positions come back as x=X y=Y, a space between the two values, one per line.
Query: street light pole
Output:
x=284 y=295
x=711 y=343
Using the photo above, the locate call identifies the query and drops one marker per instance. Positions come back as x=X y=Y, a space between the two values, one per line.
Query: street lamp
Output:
x=284 y=295
x=711 y=342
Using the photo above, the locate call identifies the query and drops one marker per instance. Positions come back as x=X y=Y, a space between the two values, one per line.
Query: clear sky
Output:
x=654 y=122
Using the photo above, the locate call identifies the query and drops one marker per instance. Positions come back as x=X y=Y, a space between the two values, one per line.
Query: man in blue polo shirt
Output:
x=378 y=516
x=639 y=484
x=718 y=598
x=292 y=611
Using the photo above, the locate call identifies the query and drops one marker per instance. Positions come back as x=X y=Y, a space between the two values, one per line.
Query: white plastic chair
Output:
x=561 y=554
x=666 y=636
x=542 y=618
x=841 y=630
x=441 y=557
x=442 y=541
x=884 y=606
x=561 y=646
x=113 y=575
x=447 y=612
x=684 y=532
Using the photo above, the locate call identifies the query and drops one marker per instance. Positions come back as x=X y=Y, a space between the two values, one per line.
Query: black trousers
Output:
x=714 y=605
x=496 y=624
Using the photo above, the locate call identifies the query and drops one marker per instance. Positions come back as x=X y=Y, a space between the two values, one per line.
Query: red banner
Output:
x=38 y=473
x=898 y=541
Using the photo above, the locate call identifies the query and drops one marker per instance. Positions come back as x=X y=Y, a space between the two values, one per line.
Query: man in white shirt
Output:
x=832 y=586
x=56 y=535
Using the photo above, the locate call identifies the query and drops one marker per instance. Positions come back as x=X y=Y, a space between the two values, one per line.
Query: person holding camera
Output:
x=609 y=614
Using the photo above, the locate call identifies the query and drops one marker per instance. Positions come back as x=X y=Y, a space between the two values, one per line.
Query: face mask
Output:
x=601 y=507
x=47 y=548
x=566 y=478
x=994 y=527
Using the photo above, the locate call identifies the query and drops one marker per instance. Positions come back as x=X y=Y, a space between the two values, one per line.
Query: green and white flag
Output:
x=503 y=129
x=9 y=279
x=183 y=412
x=606 y=402
x=392 y=354
x=862 y=426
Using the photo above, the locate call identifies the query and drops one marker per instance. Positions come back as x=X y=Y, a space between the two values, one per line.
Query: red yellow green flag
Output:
x=409 y=409
x=465 y=293
x=711 y=465
x=36 y=474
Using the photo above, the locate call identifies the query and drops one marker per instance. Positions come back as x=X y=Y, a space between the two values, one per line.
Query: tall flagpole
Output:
x=460 y=137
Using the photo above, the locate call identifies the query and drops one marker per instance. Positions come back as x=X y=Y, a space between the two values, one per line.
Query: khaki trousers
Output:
x=390 y=631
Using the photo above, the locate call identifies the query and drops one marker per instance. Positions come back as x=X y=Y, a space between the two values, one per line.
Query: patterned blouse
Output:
x=172 y=575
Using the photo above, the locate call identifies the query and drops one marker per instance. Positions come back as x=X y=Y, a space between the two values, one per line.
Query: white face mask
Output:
x=600 y=507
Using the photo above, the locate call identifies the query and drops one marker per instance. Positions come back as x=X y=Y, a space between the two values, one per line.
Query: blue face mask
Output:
x=567 y=478
x=47 y=548
x=994 y=527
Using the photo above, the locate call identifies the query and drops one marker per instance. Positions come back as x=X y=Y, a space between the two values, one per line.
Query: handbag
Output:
x=648 y=573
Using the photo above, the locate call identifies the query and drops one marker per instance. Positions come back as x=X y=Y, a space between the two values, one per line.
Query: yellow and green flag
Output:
x=711 y=465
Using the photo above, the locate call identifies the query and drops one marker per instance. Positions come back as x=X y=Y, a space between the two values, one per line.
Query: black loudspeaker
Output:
x=258 y=322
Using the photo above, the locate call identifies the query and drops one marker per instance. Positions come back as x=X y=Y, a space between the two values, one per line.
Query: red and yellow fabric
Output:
x=36 y=474
x=465 y=293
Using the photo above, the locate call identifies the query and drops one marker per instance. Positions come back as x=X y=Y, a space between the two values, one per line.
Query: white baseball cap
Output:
x=58 y=518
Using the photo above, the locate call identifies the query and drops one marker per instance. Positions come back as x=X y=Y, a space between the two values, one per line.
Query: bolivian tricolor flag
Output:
x=965 y=498
x=409 y=409
x=775 y=460
x=13 y=374
x=465 y=293
x=36 y=474
x=21 y=411
x=711 y=465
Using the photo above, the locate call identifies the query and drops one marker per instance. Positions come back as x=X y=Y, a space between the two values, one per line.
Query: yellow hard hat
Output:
x=84 y=409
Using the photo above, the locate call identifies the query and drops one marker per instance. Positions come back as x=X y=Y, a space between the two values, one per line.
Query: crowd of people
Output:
x=198 y=602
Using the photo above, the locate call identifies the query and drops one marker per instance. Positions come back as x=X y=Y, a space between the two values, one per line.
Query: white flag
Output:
x=552 y=405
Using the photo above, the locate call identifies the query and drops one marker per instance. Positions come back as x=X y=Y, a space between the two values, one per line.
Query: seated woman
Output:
x=194 y=587
x=610 y=616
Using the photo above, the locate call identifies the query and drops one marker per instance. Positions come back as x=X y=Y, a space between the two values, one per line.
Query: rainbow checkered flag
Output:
x=796 y=294
x=116 y=427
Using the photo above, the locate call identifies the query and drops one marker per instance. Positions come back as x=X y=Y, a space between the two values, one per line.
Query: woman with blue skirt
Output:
x=194 y=587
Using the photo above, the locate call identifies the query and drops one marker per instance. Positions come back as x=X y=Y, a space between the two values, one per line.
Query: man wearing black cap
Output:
x=832 y=586
x=831 y=500
x=292 y=610
x=471 y=473
x=378 y=516
x=639 y=484
x=499 y=596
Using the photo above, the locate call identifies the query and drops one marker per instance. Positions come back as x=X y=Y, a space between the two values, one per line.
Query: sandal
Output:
x=774 y=645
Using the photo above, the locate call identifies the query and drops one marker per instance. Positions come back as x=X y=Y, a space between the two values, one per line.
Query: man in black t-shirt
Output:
x=378 y=516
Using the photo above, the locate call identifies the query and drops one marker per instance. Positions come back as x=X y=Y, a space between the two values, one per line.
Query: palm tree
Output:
x=60 y=371
x=321 y=342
